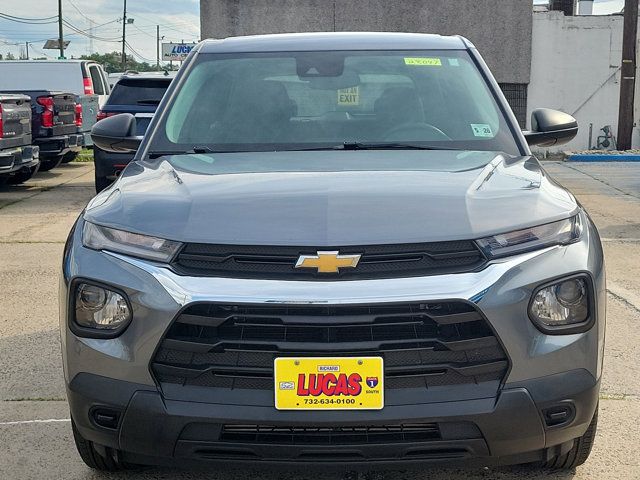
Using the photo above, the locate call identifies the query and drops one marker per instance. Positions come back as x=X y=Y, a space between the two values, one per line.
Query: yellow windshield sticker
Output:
x=423 y=61
x=349 y=96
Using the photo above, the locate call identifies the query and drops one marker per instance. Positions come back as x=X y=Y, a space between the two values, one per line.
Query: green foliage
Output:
x=112 y=62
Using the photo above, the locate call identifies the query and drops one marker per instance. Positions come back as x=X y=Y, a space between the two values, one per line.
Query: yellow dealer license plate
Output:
x=322 y=383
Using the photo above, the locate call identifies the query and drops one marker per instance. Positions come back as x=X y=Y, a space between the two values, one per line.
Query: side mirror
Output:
x=551 y=127
x=116 y=134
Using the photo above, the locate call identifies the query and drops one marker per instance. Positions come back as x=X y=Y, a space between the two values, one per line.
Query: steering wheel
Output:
x=415 y=130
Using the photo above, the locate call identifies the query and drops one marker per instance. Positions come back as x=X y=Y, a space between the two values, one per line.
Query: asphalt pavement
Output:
x=35 y=434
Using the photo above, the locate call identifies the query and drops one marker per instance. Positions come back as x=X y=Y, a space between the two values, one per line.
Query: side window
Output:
x=105 y=81
x=96 y=78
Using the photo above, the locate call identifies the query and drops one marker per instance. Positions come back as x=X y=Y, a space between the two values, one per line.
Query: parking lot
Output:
x=36 y=435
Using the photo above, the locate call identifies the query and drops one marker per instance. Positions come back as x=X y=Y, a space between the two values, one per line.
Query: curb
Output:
x=586 y=157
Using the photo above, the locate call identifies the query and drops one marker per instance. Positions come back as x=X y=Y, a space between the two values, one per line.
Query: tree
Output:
x=112 y=62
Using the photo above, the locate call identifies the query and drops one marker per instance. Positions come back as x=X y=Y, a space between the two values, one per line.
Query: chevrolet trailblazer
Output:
x=334 y=249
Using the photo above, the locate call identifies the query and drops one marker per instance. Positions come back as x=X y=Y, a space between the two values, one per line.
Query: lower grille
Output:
x=419 y=432
x=424 y=345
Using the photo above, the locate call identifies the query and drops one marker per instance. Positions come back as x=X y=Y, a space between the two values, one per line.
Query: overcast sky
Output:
x=178 y=20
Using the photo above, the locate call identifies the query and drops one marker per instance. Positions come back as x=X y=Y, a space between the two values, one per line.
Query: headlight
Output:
x=556 y=233
x=100 y=308
x=134 y=244
x=562 y=306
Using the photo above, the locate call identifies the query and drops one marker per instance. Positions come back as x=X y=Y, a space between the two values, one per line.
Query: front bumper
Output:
x=511 y=429
x=163 y=427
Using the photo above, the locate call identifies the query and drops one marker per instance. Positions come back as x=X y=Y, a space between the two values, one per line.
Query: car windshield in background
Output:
x=137 y=91
x=339 y=99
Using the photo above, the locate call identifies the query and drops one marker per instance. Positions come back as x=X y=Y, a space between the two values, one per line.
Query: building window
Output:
x=516 y=94
x=566 y=6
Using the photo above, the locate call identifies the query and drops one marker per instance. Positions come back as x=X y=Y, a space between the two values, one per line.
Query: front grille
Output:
x=377 y=261
x=424 y=345
x=343 y=435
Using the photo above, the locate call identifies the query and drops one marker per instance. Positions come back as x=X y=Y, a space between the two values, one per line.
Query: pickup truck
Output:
x=55 y=121
x=18 y=158
x=85 y=79
x=87 y=108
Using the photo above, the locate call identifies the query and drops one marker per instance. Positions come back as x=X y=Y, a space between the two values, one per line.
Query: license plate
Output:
x=325 y=383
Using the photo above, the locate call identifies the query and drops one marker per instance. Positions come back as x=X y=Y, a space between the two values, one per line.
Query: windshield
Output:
x=315 y=100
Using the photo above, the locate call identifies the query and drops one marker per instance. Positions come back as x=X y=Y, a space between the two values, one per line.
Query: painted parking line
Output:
x=27 y=422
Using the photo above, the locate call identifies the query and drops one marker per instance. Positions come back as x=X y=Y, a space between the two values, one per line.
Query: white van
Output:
x=80 y=77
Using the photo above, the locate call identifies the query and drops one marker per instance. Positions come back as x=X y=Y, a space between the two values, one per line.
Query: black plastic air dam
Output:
x=512 y=426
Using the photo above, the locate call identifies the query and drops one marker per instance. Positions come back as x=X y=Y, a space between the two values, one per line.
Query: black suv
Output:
x=138 y=94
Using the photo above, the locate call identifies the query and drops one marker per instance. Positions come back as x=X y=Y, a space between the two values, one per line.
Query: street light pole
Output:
x=157 y=47
x=60 y=37
x=124 y=36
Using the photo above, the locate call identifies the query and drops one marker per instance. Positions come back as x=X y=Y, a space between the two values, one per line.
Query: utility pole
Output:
x=158 y=47
x=90 y=37
x=124 y=37
x=60 y=37
x=628 y=73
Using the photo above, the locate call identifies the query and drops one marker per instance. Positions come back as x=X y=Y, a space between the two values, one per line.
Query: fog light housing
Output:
x=99 y=310
x=562 y=307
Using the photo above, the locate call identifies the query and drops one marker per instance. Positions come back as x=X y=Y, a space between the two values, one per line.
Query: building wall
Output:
x=576 y=68
x=501 y=29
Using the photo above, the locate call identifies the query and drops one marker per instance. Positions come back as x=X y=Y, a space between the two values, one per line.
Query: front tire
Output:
x=23 y=175
x=47 y=164
x=580 y=451
x=69 y=157
x=93 y=459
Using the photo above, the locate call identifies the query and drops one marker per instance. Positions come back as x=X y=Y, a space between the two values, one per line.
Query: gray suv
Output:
x=333 y=248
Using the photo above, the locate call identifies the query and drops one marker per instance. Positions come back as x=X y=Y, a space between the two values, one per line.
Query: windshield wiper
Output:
x=148 y=102
x=388 y=146
x=369 y=146
x=197 y=149
x=343 y=146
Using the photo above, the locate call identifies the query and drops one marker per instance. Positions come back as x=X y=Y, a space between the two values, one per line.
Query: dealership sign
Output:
x=176 y=51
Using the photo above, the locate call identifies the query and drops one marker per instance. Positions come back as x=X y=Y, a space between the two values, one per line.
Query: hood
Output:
x=331 y=198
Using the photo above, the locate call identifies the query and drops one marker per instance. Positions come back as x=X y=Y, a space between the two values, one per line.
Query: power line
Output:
x=78 y=31
x=171 y=27
x=54 y=17
x=142 y=31
x=5 y=17
x=40 y=52
x=137 y=54
x=80 y=11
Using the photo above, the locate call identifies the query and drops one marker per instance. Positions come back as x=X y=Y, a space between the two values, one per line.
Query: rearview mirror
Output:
x=551 y=127
x=116 y=134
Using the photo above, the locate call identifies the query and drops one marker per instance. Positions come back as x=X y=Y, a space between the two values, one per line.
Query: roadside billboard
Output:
x=176 y=52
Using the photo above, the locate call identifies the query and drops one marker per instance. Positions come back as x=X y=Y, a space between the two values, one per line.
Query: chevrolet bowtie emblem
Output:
x=328 y=262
